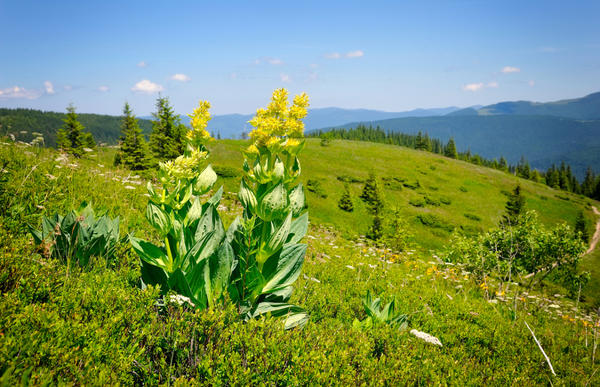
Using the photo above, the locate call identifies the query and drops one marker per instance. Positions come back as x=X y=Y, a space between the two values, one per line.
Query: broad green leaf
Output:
x=284 y=268
x=273 y=203
x=205 y=181
x=297 y=200
x=276 y=240
x=246 y=196
x=216 y=198
x=154 y=275
x=158 y=218
x=194 y=212
x=150 y=253
x=298 y=229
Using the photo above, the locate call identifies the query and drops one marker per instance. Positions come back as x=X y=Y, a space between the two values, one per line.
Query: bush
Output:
x=412 y=186
x=417 y=202
x=472 y=217
x=315 y=187
x=225 y=171
x=350 y=179
x=433 y=221
x=432 y=201
x=345 y=202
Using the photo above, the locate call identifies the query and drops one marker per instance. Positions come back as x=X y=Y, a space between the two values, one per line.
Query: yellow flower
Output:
x=199 y=120
x=184 y=167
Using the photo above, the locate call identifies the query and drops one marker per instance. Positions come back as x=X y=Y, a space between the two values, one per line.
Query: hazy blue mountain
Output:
x=232 y=125
x=585 y=108
x=543 y=140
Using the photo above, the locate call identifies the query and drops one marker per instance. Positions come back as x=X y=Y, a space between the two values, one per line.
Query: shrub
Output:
x=472 y=217
x=380 y=315
x=315 y=187
x=417 y=202
x=463 y=189
x=433 y=221
x=445 y=201
x=432 y=201
x=225 y=171
x=350 y=179
x=413 y=186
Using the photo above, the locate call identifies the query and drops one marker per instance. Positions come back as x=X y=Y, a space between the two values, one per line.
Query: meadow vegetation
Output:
x=193 y=283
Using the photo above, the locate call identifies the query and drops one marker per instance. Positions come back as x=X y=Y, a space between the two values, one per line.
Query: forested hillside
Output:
x=23 y=122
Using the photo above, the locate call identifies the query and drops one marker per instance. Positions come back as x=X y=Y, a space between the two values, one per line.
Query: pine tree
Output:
x=71 y=138
x=450 y=150
x=503 y=165
x=523 y=169
x=166 y=140
x=134 y=150
x=581 y=227
x=376 y=230
x=345 y=202
x=372 y=195
x=514 y=206
x=588 y=185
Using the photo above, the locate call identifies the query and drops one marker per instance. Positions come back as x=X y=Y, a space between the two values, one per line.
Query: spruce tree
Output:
x=450 y=150
x=345 y=202
x=71 y=138
x=372 y=195
x=514 y=206
x=588 y=185
x=503 y=165
x=134 y=150
x=373 y=198
x=581 y=227
x=166 y=140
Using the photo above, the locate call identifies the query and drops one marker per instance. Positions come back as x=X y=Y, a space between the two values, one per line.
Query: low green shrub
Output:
x=434 y=221
x=474 y=217
x=315 y=187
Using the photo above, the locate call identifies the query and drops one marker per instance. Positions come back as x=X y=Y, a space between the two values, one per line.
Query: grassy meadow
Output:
x=67 y=325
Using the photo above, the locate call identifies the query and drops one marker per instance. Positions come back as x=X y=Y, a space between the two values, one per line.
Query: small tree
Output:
x=373 y=198
x=166 y=140
x=450 y=150
x=514 y=206
x=581 y=228
x=345 y=202
x=134 y=150
x=71 y=138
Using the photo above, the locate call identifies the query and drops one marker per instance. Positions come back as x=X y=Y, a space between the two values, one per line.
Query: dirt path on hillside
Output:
x=596 y=236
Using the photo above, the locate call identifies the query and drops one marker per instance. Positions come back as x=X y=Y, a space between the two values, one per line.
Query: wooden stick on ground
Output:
x=541 y=349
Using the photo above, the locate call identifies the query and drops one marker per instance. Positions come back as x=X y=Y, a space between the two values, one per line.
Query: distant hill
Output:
x=585 y=108
x=543 y=140
x=22 y=122
x=232 y=125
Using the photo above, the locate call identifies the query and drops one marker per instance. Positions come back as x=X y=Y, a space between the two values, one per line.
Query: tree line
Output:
x=560 y=177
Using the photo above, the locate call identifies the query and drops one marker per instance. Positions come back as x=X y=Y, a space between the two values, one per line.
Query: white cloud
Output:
x=142 y=64
x=285 y=78
x=355 y=54
x=180 y=77
x=492 y=84
x=333 y=55
x=233 y=76
x=531 y=83
x=473 y=86
x=510 y=69
x=269 y=60
x=103 y=89
x=313 y=76
x=68 y=87
x=19 y=92
x=49 y=87
x=145 y=86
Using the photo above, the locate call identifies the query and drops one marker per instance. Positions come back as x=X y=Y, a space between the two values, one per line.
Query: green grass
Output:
x=96 y=326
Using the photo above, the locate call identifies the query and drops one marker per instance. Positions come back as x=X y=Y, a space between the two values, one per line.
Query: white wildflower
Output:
x=426 y=337
x=129 y=187
x=179 y=299
x=51 y=177
x=350 y=267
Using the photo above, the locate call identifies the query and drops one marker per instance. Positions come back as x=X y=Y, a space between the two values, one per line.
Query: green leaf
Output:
x=276 y=240
x=194 y=212
x=246 y=196
x=298 y=229
x=216 y=198
x=209 y=279
x=205 y=181
x=157 y=217
x=283 y=269
x=297 y=200
x=150 y=253
x=153 y=275
x=296 y=316
x=273 y=203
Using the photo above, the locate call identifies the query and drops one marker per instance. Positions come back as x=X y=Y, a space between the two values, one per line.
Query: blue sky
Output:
x=392 y=56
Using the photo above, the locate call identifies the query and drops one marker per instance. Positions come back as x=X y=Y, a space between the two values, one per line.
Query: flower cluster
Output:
x=279 y=125
x=187 y=166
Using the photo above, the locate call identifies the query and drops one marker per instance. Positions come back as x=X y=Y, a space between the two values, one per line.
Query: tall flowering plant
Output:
x=265 y=240
x=195 y=259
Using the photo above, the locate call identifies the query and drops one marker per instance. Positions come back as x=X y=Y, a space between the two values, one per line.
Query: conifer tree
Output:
x=581 y=227
x=134 y=150
x=372 y=196
x=503 y=165
x=514 y=206
x=345 y=202
x=166 y=140
x=71 y=138
x=588 y=185
x=450 y=150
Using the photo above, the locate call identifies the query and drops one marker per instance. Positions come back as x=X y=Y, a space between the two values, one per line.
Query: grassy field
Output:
x=96 y=326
